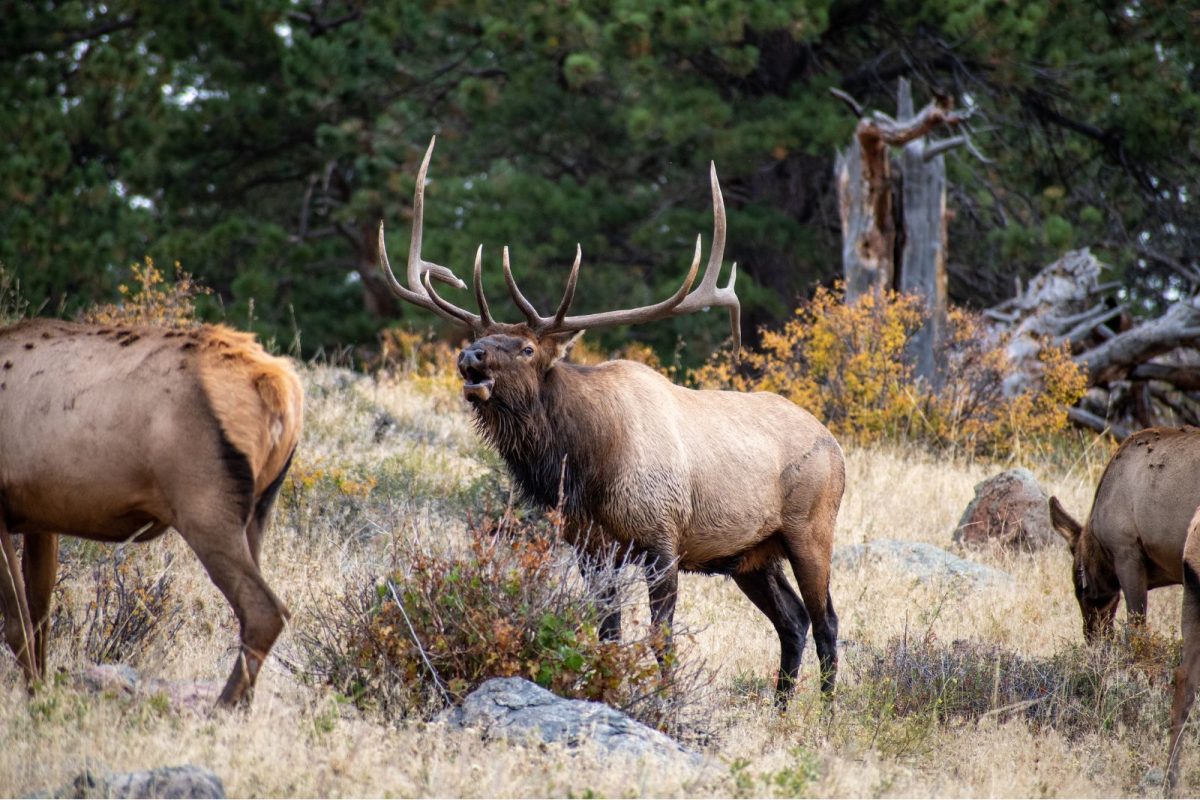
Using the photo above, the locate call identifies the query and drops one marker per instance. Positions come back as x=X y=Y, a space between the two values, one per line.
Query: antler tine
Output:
x=711 y=270
x=569 y=294
x=450 y=309
x=420 y=271
x=531 y=314
x=684 y=301
x=485 y=316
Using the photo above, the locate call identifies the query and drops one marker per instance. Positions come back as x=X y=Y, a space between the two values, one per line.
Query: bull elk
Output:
x=114 y=434
x=705 y=481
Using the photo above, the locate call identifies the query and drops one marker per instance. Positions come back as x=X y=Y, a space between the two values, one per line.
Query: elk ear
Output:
x=1064 y=523
x=563 y=342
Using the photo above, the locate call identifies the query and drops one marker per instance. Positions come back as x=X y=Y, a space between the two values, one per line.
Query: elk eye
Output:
x=528 y=351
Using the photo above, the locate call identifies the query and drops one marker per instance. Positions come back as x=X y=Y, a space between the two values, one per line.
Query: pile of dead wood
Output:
x=1141 y=372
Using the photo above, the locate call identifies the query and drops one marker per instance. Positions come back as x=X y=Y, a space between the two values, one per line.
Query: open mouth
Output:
x=477 y=385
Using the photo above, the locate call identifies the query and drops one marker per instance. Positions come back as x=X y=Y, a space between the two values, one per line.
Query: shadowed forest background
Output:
x=258 y=144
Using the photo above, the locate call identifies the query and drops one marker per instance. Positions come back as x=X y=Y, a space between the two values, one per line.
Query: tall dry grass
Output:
x=387 y=460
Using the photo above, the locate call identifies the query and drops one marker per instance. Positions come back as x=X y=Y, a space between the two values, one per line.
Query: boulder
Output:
x=162 y=782
x=1009 y=509
x=922 y=561
x=120 y=679
x=514 y=708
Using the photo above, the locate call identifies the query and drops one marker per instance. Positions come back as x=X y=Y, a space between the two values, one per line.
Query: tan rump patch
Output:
x=256 y=397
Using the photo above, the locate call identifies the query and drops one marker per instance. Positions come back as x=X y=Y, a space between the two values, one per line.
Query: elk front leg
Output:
x=40 y=567
x=662 y=579
x=600 y=575
x=1188 y=672
x=1131 y=574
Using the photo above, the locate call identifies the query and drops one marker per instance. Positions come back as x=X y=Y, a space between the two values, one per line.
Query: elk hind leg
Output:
x=18 y=627
x=223 y=548
x=40 y=567
x=1188 y=672
x=808 y=550
x=260 y=519
x=770 y=591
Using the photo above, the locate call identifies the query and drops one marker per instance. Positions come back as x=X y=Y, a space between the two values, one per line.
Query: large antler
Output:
x=420 y=270
x=706 y=295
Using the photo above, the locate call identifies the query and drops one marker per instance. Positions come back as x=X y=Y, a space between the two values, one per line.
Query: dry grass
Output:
x=388 y=461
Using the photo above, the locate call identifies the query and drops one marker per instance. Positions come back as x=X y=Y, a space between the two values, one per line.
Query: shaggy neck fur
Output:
x=552 y=438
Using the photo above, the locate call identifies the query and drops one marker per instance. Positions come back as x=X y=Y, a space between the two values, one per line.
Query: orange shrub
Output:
x=847 y=365
x=152 y=300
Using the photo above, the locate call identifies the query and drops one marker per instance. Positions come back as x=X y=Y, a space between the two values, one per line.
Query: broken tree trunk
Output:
x=1138 y=375
x=894 y=215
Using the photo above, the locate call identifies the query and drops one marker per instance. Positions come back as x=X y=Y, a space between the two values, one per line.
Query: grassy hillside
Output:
x=931 y=680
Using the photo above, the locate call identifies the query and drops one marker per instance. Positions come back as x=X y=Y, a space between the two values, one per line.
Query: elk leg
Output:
x=1131 y=574
x=811 y=569
x=599 y=577
x=225 y=553
x=769 y=590
x=40 y=567
x=1188 y=672
x=18 y=628
x=662 y=579
x=261 y=518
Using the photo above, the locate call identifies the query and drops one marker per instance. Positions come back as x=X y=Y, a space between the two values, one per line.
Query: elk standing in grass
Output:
x=115 y=433
x=704 y=481
x=1187 y=675
x=1133 y=539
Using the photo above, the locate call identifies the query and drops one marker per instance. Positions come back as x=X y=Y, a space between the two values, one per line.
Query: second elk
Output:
x=715 y=482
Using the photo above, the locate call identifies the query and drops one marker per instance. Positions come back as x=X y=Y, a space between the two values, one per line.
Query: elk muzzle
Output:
x=477 y=383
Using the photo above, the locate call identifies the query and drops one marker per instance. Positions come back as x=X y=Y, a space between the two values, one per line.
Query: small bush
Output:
x=1077 y=691
x=847 y=364
x=152 y=300
x=431 y=364
x=13 y=306
x=509 y=604
x=130 y=609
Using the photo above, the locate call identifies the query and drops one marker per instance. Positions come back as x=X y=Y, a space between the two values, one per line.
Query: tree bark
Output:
x=894 y=229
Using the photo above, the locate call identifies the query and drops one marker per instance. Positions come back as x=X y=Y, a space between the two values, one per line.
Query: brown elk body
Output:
x=705 y=481
x=1133 y=539
x=115 y=434
x=1142 y=534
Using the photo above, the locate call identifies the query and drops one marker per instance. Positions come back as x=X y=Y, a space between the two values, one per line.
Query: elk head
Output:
x=508 y=362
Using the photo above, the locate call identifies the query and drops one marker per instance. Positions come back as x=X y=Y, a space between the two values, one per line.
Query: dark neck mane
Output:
x=549 y=441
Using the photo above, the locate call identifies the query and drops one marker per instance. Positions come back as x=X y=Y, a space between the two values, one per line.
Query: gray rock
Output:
x=514 y=708
x=121 y=679
x=923 y=561
x=162 y=782
x=1010 y=509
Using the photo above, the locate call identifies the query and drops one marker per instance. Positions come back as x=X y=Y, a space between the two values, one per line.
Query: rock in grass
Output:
x=514 y=708
x=922 y=561
x=163 y=782
x=1010 y=509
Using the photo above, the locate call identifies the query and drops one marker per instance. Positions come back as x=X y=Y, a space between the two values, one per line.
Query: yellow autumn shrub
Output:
x=846 y=363
x=150 y=299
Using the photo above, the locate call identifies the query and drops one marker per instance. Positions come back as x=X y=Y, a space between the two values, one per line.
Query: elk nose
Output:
x=472 y=357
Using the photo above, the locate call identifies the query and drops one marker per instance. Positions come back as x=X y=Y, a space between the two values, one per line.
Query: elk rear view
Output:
x=116 y=433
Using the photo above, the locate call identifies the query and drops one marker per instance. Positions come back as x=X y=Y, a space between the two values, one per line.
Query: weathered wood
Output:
x=1097 y=423
x=1115 y=358
x=867 y=195
x=922 y=267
